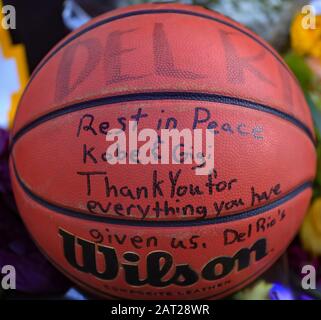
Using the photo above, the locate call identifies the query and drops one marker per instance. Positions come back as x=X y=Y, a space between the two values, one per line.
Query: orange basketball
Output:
x=160 y=231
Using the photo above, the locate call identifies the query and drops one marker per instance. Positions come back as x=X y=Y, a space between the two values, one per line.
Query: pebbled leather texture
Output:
x=159 y=231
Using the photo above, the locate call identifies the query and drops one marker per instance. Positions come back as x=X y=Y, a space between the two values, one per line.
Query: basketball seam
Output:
x=156 y=11
x=152 y=96
x=152 y=223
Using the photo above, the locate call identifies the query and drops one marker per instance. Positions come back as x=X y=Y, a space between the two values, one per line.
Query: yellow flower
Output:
x=306 y=41
x=258 y=291
x=310 y=232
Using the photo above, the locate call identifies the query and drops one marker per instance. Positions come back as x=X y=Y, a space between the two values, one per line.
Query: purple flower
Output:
x=5 y=185
x=280 y=292
x=298 y=258
x=34 y=274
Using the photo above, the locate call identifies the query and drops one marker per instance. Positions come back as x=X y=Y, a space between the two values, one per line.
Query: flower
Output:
x=257 y=291
x=310 y=233
x=34 y=274
x=281 y=292
x=306 y=41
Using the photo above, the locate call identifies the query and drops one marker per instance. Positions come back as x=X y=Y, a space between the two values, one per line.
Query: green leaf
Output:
x=300 y=69
x=316 y=114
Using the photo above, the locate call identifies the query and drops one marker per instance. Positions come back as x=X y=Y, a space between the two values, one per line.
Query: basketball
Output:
x=123 y=224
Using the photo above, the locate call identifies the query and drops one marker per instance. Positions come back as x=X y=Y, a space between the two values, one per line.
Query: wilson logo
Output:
x=159 y=264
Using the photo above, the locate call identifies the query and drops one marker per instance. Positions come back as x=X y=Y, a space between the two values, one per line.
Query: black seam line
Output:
x=153 y=223
x=156 y=11
x=144 y=96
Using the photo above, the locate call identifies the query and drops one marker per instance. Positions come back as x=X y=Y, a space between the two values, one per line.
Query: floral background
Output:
x=280 y=23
